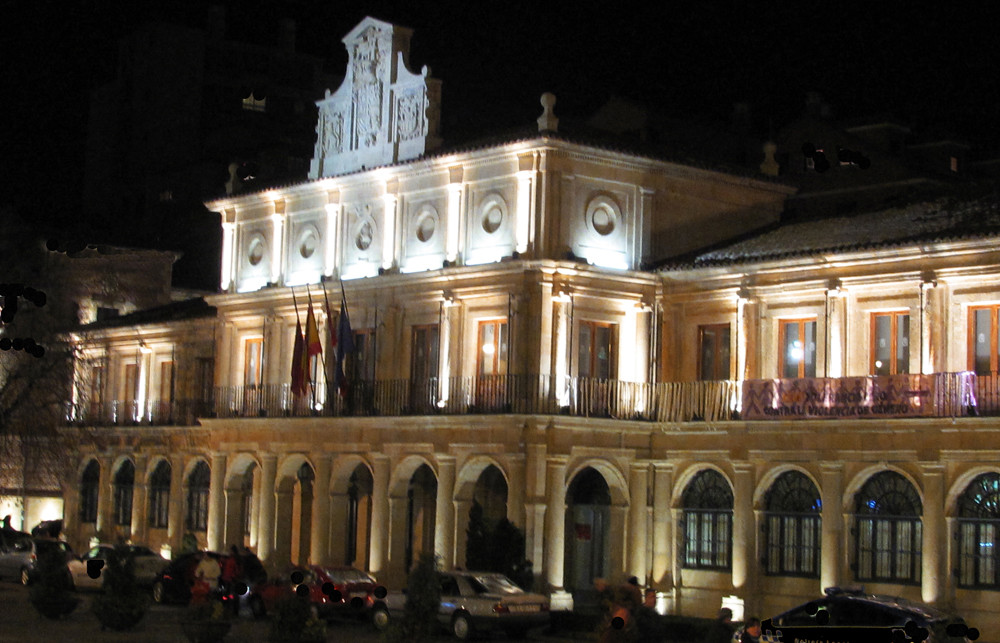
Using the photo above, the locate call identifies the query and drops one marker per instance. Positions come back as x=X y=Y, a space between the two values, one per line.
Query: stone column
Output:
x=462 y=508
x=444 y=519
x=637 y=521
x=515 y=493
x=233 y=532
x=534 y=506
x=934 y=535
x=175 y=516
x=744 y=541
x=216 y=502
x=396 y=562
x=380 y=515
x=338 y=517
x=140 y=491
x=319 y=540
x=555 y=522
x=105 y=494
x=284 y=498
x=265 y=520
x=663 y=475
x=832 y=530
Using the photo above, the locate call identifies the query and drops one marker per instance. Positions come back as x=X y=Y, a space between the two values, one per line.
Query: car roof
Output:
x=899 y=603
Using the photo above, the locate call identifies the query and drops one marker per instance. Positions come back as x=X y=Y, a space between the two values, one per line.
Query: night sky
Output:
x=932 y=69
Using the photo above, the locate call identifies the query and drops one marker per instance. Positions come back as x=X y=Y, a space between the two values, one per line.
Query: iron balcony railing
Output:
x=937 y=395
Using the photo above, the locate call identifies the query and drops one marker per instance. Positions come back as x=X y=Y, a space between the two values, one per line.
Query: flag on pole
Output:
x=345 y=346
x=313 y=345
x=299 y=358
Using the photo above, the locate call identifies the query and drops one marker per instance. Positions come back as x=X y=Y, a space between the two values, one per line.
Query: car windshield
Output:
x=348 y=576
x=494 y=585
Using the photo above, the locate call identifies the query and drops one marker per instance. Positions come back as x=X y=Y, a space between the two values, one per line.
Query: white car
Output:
x=473 y=602
x=87 y=575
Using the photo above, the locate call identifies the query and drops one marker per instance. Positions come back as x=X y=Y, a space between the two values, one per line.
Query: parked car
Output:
x=335 y=591
x=849 y=614
x=148 y=564
x=474 y=602
x=19 y=554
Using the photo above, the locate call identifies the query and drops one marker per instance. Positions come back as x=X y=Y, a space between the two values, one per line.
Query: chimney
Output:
x=286 y=35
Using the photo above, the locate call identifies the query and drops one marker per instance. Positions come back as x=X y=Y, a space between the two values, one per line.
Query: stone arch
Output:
x=293 y=509
x=590 y=528
x=858 y=481
x=351 y=489
x=243 y=493
x=483 y=480
x=961 y=483
x=771 y=476
x=613 y=476
x=413 y=512
x=689 y=473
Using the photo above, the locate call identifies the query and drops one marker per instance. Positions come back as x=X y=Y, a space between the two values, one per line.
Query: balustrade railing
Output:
x=937 y=395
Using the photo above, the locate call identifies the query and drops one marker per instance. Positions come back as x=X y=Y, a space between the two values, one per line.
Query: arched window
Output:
x=123 y=486
x=792 y=526
x=708 y=522
x=979 y=533
x=887 y=513
x=90 y=481
x=159 y=496
x=198 y=483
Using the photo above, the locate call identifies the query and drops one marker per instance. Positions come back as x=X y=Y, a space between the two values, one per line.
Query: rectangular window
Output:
x=983 y=340
x=97 y=383
x=123 y=504
x=596 y=351
x=491 y=365
x=130 y=388
x=167 y=381
x=197 y=509
x=492 y=349
x=707 y=535
x=253 y=362
x=798 y=348
x=159 y=506
x=890 y=350
x=361 y=363
x=714 y=347
x=424 y=367
x=979 y=541
x=792 y=544
x=889 y=549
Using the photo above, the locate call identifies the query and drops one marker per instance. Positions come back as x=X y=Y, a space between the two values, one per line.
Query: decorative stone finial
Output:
x=548 y=122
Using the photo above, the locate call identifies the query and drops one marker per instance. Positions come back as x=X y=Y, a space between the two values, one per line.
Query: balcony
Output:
x=937 y=395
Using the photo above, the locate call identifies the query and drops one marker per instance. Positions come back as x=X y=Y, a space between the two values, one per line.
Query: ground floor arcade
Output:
x=768 y=512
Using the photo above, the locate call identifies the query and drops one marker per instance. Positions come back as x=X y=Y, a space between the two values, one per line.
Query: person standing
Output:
x=721 y=630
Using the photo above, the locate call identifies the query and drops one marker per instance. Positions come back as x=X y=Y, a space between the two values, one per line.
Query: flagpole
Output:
x=296 y=368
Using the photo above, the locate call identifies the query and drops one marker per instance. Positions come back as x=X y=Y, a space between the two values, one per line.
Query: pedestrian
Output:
x=231 y=577
x=649 y=625
x=751 y=631
x=621 y=627
x=721 y=630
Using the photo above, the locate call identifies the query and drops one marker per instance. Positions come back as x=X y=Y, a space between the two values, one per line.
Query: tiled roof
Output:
x=177 y=311
x=939 y=220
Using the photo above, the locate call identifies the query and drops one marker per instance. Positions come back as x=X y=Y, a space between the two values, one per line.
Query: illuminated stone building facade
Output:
x=808 y=406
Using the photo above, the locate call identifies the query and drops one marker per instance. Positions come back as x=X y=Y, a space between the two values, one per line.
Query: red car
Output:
x=335 y=591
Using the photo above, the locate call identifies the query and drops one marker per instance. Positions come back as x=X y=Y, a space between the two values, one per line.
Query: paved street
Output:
x=20 y=622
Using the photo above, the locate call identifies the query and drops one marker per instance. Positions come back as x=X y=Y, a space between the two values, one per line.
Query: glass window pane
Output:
x=983 y=332
x=586 y=341
x=883 y=345
x=810 y=349
x=903 y=344
x=793 y=350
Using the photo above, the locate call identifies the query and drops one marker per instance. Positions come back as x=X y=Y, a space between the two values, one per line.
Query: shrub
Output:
x=51 y=594
x=122 y=604
x=423 y=597
x=295 y=619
